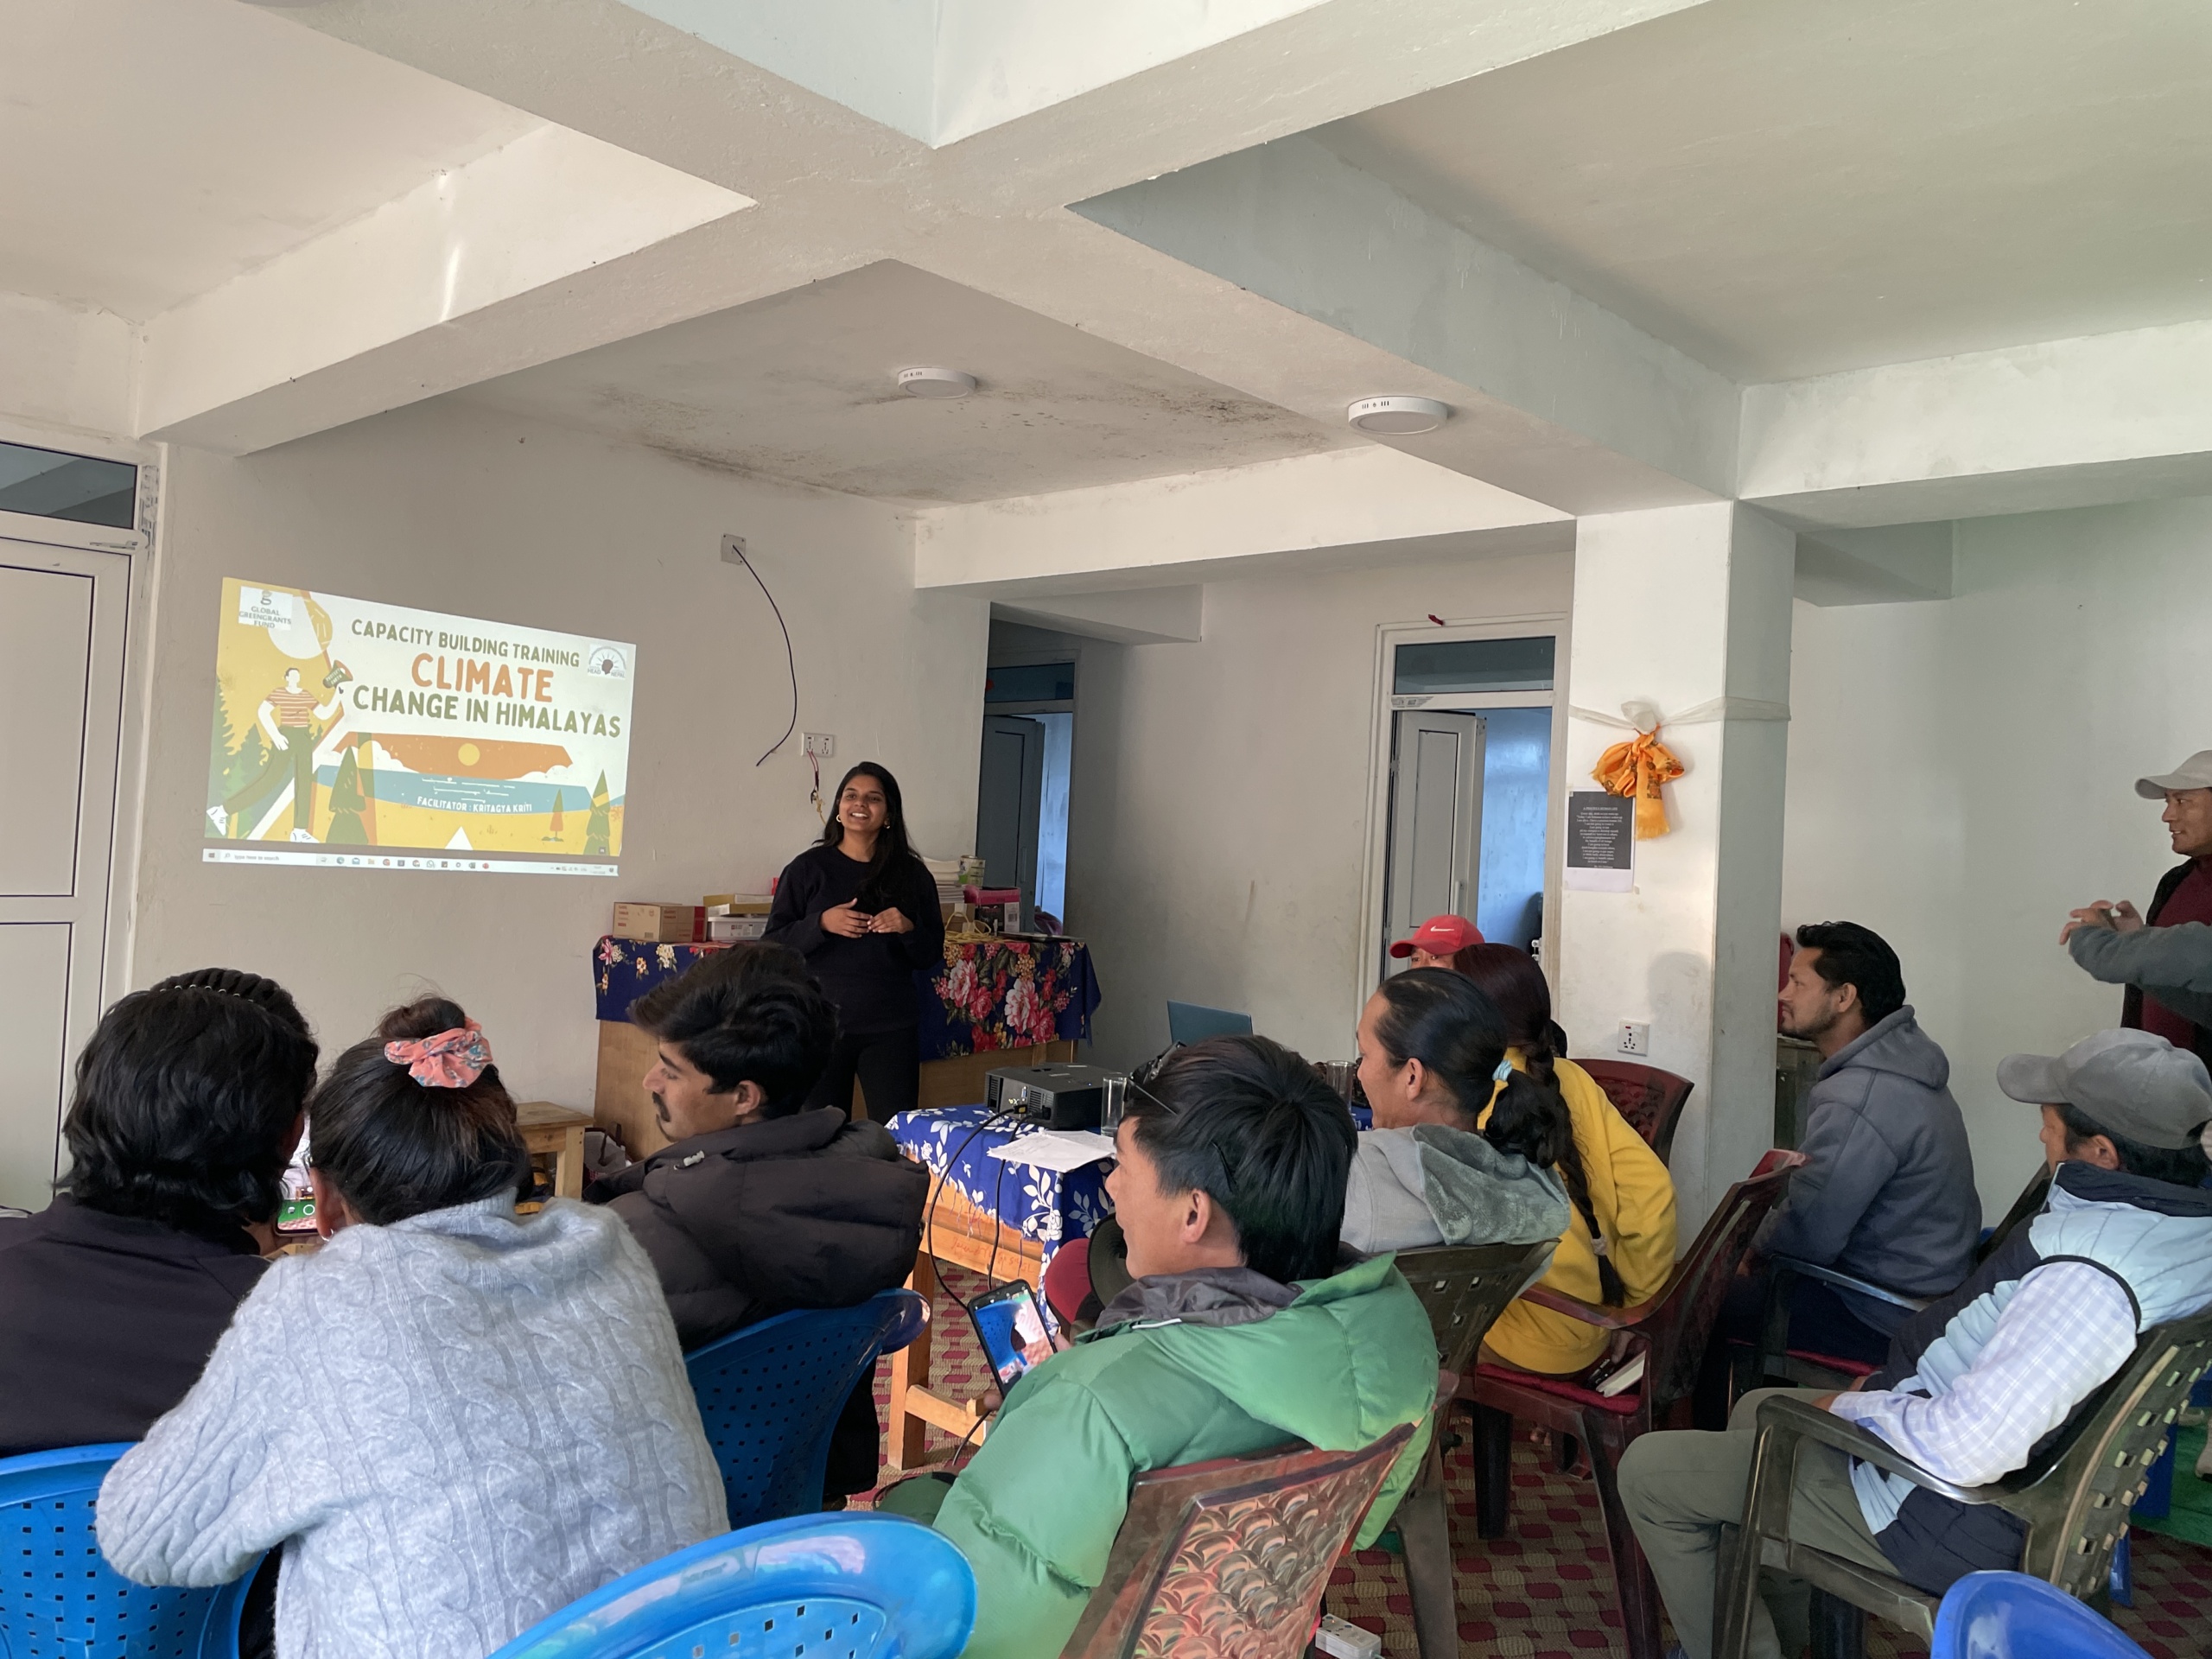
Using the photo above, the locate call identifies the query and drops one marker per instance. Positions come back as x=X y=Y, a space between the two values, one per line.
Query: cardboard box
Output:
x=738 y=904
x=728 y=930
x=659 y=924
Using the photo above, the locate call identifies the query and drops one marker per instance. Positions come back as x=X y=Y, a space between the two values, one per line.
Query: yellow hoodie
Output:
x=1634 y=1197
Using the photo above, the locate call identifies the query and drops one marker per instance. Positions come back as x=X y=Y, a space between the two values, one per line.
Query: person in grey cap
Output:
x=2161 y=975
x=1978 y=1379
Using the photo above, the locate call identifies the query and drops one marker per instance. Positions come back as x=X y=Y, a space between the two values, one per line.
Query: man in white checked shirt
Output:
x=1982 y=1378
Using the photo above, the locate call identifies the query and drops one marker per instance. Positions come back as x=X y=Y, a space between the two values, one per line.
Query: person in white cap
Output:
x=1981 y=1377
x=2183 y=897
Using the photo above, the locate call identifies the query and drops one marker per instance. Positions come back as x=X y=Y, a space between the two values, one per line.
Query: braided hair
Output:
x=1447 y=1022
x=1513 y=982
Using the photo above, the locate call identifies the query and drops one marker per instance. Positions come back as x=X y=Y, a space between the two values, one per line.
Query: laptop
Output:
x=1189 y=1022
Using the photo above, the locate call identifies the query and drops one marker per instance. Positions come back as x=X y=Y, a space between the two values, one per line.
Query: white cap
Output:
x=2195 y=772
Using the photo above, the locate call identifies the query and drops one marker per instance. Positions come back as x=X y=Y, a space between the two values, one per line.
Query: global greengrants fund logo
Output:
x=608 y=662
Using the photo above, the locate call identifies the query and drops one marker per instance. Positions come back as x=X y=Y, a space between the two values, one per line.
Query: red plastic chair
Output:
x=1670 y=1331
x=1230 y=1557
x=1651 y=1100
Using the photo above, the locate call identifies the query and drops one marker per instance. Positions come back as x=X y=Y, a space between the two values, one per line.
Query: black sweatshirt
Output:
x=106 y=1321
x=871 y=979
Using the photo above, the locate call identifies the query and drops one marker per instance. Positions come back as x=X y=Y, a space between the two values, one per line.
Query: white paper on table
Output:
x=1061 y=1150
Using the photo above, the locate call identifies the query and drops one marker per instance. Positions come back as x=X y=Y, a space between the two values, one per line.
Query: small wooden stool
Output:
x=559 y=1131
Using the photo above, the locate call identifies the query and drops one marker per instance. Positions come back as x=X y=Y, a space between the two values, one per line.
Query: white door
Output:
x=1009 y=802
x=61 y=650
x=1436 y=804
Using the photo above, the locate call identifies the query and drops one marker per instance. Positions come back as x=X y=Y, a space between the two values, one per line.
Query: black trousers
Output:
x=889 y=1065
x=1821 y=1322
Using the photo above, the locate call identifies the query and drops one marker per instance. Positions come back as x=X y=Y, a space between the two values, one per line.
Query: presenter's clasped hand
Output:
x=2121 y=917
x=893 y=920
x=849 y=921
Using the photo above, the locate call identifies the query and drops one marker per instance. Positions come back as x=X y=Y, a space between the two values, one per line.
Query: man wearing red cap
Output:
x=1436 y=941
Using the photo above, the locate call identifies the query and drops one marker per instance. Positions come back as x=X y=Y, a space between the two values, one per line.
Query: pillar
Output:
x=1678 y=606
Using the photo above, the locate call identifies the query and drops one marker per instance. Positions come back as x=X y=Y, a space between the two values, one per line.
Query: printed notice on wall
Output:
x=1600 y=842
x=371 y=736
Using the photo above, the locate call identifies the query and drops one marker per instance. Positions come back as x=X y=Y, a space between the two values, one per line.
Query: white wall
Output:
x=1960 y=776
x=454 y=508
x=1217 y=852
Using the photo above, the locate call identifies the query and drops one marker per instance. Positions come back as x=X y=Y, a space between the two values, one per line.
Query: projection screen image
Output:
x=379 y=737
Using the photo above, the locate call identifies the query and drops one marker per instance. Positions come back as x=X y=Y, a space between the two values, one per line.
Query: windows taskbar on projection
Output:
x=411 y=861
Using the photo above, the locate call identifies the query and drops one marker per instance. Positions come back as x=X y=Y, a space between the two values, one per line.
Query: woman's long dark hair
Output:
x=1513 y=983
x=893 y=848
x=1448 y=1022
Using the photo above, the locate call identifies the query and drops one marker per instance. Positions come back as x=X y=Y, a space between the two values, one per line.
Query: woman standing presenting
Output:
x=863 y=910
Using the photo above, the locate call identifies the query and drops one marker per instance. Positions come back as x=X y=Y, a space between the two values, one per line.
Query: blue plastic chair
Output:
x=831 y=1586
x=58 y=1595
x=770 y=1395
x=2011 y=1615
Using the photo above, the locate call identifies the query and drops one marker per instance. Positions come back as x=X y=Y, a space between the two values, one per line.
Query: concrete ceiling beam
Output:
x=1309 y=511
x=306 y=341
x=1556 y=398
x=2061 y=423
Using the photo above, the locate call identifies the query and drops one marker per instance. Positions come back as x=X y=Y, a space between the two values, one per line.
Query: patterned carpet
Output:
x=1546 y=1592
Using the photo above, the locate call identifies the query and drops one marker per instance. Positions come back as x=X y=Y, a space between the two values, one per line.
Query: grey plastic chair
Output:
x=2075 y=1496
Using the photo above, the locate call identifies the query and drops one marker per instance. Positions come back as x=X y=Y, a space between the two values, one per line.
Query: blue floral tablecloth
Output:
x=997 y=993
x=1039 y=1203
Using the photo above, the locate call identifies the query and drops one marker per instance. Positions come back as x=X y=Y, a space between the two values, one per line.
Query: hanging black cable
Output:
x=734 y=549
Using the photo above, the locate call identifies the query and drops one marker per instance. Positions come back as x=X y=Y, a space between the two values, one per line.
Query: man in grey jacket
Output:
x=1889 y=1195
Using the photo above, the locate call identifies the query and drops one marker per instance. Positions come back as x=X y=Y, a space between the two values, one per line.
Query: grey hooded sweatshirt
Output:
x=1434 y=1185
x=1889 y=1195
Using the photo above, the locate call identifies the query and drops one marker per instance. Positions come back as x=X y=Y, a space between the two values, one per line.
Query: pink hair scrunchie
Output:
x=451 y=1059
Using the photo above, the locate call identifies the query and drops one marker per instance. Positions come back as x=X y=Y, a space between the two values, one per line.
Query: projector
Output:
x=1057 y=1096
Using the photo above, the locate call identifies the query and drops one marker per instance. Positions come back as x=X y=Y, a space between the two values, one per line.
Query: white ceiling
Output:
x=800 y=386
x=1790 y=187
x=156 y=149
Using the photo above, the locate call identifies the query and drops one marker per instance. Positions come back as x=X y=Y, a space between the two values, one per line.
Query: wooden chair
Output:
x=1670 y=1331
x=2075 y=1494
x=1651 y=1100
x=1230 y=1558
x=1464 y=1289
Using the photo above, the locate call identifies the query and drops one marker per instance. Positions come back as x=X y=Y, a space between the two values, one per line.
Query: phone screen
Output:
x=1012 y=1330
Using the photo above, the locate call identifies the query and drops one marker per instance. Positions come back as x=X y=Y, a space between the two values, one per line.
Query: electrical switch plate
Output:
x=819 y=743
x=1636 y=1037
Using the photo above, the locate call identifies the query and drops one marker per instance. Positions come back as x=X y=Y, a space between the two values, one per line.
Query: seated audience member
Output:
x=1983 y=1375
x=455 y=1421
x=1239 y=1331
x=1432 y=1050
x=2184 y=898
x=1618 y=1248
x=187 y=1104
x=1433 y=943
x=759 y=1206
x=1888 y=1194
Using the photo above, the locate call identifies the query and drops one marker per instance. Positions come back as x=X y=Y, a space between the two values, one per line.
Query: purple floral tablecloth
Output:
x=995 y=995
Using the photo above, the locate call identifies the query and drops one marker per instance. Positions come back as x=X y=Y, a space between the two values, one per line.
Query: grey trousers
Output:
x=1680 y=1488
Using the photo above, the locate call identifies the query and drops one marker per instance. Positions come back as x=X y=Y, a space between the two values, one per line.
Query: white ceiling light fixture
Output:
x=1398 y=417
x=935 y=382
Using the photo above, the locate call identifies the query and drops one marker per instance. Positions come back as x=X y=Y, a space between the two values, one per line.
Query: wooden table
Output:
x=557 y=1131
x=957 y=1232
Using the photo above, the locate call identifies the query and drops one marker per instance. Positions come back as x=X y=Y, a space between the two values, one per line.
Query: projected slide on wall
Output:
x=379 y=737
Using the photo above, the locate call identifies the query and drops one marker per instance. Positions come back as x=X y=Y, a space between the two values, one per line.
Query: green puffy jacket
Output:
x=1036 y=1511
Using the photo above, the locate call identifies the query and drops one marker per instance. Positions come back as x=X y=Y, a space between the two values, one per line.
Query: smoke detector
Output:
x=935 y=382
x=1398 y=417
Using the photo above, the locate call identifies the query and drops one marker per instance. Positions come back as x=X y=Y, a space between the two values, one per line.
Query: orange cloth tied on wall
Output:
x=1636 y=769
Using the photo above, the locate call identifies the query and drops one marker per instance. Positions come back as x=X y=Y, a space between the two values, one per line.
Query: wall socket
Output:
x=1636 y=1037
x=817 y=743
